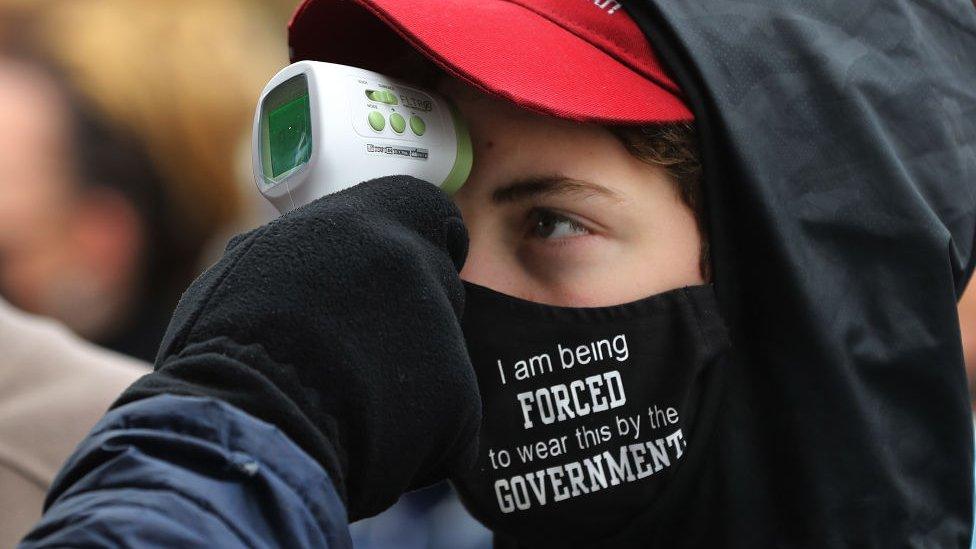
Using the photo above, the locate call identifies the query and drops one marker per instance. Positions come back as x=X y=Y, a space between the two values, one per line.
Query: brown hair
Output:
x=673 y=147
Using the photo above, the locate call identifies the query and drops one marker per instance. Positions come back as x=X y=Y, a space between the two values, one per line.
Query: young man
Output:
x=571 y=214
x=587 y=307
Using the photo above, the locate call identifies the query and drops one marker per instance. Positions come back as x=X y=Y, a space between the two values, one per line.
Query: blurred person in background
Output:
x=87 y=233
x=100 y=225
x=121 y=173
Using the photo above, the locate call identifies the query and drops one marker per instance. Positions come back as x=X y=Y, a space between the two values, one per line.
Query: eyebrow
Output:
x=547 y=185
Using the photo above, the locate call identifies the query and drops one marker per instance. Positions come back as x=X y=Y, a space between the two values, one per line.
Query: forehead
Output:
x=515 y=145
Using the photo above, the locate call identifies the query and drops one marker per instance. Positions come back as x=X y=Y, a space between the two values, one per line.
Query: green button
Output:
x=417 y=125
x=382 y=96
x=397 y=122
x=377 y=121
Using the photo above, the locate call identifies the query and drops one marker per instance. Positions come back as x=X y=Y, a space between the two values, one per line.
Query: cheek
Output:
x=676 y=252
x=597 y=272
x=489 y=263
x=600 y=274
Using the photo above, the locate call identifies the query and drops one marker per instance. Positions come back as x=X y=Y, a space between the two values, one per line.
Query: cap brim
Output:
x=497 y=46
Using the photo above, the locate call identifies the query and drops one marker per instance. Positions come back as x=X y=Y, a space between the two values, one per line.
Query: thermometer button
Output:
x=376 y=121
x=382 y=96
x=417 y=125
x=397 y=122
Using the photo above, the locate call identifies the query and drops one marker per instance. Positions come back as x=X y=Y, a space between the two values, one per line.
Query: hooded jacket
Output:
x=839 y=146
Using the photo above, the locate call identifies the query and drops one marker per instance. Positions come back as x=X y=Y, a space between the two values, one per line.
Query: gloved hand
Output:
x=338 y=323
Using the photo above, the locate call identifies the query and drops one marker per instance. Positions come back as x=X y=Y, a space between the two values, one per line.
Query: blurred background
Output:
x=124 y=169
x=124 y=160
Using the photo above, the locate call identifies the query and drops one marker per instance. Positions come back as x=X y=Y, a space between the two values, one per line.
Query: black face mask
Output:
x=588 y=412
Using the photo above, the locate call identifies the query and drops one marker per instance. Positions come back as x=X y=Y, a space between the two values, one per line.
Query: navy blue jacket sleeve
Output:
x=173 y=471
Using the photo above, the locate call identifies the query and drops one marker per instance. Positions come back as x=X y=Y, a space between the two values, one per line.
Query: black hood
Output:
x=839 y=143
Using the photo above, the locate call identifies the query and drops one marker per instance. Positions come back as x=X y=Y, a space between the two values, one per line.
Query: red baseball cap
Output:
x=584 y=60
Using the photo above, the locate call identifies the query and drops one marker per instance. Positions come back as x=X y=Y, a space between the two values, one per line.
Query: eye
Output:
x=548 y=224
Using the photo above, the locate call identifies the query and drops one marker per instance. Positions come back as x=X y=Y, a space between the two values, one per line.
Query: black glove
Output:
x=338 y=323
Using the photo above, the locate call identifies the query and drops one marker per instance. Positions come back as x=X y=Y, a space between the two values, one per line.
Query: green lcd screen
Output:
x=288 y=127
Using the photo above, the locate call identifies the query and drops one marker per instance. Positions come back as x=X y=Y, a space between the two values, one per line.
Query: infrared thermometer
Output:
x=322 y=127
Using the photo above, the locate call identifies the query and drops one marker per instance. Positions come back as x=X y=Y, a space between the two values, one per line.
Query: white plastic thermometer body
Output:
x=322 y=127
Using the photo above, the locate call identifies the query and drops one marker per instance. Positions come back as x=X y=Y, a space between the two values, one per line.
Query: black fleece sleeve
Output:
x=338 y=323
